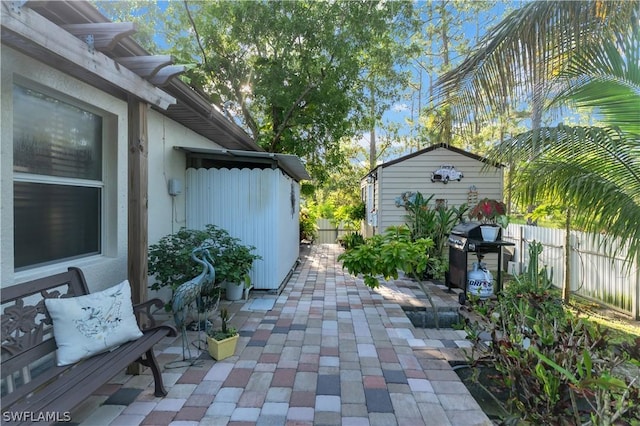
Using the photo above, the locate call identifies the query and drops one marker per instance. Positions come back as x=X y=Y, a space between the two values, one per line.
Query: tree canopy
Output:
x=298 y=76
x=521 y=59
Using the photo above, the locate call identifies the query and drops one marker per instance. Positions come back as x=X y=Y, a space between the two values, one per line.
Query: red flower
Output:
x=488 y=210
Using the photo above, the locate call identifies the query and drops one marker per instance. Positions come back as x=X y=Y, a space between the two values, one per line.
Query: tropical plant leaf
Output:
x=595 y=171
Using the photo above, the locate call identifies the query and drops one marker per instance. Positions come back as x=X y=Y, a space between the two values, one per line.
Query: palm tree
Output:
x=566 y=54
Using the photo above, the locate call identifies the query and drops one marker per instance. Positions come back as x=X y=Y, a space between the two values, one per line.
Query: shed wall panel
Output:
x=288 y=230
x=414 y=174
x=253 y=205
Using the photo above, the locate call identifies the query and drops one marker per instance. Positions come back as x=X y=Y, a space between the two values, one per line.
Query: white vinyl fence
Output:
x=596 y=271
x=328 y=232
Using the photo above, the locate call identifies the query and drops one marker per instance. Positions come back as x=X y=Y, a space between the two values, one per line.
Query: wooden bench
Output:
x=33 y=387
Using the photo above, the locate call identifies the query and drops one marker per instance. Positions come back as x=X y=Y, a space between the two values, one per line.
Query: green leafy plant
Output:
x=559 y=369
x=434 y=223
x=308 y=227
x=383 y=255
x=236 y=262
x=352 y=240
x=479 y=305
x=170 y=261
x=225 y=331
x=458 y=325
x=357 y=212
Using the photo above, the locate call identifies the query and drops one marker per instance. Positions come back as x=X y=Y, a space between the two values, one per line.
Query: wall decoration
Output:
x=292 y=197
x=472 y=197
x=445 y=173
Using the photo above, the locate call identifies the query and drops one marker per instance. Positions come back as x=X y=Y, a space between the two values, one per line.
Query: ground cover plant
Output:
x=558 y=368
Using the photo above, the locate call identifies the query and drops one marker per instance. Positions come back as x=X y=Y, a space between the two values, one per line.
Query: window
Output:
x=371 y=213
x=58 y=179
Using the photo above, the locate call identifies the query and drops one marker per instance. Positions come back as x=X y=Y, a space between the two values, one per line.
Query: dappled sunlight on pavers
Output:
x=330 y=351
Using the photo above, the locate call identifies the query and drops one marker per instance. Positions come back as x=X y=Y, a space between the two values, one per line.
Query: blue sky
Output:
x=401 y=109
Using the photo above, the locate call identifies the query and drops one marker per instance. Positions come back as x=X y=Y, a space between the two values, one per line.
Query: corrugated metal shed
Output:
x=253 y=195
x=258 y=206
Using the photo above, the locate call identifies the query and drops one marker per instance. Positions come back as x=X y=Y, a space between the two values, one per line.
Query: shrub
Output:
x=352 y=240
x=384 y=254
x=170 y=261
x=433 y=223
x=308 y=226
x=559 y=369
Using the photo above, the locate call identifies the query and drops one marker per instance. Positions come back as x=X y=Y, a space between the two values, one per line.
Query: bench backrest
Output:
x=27 y=331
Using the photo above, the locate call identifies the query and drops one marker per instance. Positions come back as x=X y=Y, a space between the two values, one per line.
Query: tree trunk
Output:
x=372 y=137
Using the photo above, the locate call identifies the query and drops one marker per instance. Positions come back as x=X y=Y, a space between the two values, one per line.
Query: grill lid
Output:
x=467 y=229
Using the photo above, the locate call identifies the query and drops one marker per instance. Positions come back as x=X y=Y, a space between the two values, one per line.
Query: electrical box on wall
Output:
x=175 y=187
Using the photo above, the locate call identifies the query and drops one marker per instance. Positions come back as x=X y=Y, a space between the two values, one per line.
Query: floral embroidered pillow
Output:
x=87 y=325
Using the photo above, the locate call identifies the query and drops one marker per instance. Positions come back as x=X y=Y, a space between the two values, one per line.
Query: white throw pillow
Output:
x=87 y=325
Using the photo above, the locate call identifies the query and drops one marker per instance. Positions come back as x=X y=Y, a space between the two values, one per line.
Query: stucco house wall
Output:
x=109 y=267
x=166 y=213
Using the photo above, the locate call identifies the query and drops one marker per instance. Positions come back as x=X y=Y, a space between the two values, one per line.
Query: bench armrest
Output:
x=145 y=314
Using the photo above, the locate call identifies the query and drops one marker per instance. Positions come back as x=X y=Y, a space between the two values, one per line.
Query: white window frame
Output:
x=107 y=191
x=371 y=214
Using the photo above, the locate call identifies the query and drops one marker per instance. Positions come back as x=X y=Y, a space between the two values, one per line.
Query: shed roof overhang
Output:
x=488 y=163
x=290 y=164
x=194 y=112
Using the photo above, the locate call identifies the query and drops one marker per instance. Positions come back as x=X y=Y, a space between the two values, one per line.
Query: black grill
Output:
x=466 y=238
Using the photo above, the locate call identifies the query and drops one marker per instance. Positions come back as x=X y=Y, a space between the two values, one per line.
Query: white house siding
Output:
x=255 y=206
x=414 y=174
x=102 y=270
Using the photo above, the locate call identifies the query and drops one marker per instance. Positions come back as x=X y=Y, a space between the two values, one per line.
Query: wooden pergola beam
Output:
x=146 y=66
x=24 y=27
x=164 y=75
x=106 y=35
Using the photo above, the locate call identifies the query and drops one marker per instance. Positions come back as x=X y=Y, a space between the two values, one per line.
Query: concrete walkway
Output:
x=330 y=351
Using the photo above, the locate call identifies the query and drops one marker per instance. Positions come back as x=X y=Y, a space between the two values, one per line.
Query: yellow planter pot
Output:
x=221 y=349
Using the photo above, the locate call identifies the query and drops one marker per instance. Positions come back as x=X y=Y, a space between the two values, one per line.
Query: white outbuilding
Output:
x=453 y=176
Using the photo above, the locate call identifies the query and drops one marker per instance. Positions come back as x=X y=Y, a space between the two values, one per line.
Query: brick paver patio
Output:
x=330 y=352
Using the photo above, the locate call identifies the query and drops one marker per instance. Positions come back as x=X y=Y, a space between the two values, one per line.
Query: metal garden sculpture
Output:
x=192 y=293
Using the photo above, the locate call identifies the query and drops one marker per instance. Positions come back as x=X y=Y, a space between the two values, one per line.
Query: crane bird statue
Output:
x=193 y=293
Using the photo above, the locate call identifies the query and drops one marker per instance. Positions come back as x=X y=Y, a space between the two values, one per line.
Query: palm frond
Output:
x=594 y=171
x=530 y=47
x=606 y=76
